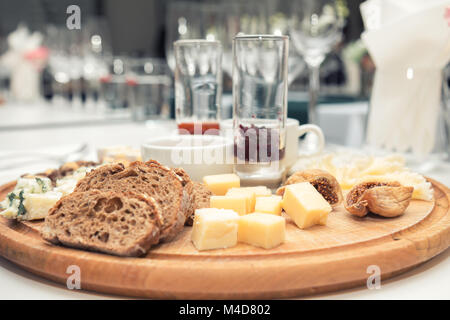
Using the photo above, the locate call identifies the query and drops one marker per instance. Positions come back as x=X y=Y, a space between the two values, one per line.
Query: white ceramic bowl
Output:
x=199 y=155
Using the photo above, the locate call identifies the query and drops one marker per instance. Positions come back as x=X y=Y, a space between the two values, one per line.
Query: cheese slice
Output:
x=305 y=205
x=262 y=230
x=219 y=184
x=271 y=204
x=242 y=204
x=214 y=229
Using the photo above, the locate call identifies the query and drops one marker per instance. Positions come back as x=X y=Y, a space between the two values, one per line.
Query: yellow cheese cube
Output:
x=305 y=205
x=37 y=205
x=220 y=183
x=244 y=192
x=260 y=191
x=262 y=230
x=271 y=204
x=214 y=229
x=239 y=203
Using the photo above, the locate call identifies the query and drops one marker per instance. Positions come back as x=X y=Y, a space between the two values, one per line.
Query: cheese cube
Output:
x=260 y=191
x=220 y=183
x=214 y=229
x=271 y=204
x=305 y=205
x=249 y=194
x=37 y=205
x=262 y=230
x=239 y=203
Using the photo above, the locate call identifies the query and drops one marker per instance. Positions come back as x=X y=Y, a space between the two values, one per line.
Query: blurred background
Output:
x=119 y=65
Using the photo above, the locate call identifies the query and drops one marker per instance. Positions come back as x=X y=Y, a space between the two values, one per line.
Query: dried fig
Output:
x=323 y=181
x=387 y=199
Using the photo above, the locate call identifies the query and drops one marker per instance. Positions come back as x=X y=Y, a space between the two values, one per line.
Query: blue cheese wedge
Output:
x=34 y=185
x=33 y=197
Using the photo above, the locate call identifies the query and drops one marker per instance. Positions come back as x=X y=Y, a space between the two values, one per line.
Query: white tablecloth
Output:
x=430 y=280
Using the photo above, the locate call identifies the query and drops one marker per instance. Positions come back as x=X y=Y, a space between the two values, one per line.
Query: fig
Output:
x=387 y=199
x=325 y=183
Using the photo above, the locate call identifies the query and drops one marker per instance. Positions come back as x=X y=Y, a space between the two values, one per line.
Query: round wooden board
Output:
x=322 y=258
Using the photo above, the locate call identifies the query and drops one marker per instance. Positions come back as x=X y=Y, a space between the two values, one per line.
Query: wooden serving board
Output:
x=322 y=258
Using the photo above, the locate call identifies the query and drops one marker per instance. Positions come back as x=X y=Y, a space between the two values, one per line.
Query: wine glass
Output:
x=315 y=27
x=278 y=24
x=96 y=53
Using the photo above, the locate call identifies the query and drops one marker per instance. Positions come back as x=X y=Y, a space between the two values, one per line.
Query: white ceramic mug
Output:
x=293 y=132
x=199 y=155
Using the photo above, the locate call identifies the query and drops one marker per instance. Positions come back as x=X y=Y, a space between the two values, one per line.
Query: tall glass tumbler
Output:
x=260 y=82
x=149 y=83
x=198 y=86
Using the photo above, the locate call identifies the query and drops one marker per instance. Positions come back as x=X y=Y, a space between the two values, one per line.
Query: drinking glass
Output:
x=113 y=86
x=260 y=81
x=149 y=83
x=198 y=86
x=182 y=22
x=315 y=27
x=233 y=17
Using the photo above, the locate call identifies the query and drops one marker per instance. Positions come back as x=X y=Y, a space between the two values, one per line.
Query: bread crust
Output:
x=200 y=199
x=188 y=186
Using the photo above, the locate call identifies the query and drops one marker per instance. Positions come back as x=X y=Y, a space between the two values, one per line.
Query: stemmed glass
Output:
x=278 y=24
x=96 y=53
x=315 y=27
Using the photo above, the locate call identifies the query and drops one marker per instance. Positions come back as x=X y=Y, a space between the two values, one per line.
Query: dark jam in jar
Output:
x=258 y=144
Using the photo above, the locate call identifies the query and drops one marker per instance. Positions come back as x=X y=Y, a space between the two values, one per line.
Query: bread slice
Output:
x=200 y=199
x=123 y=224
x=150 y=178
x=188 y=186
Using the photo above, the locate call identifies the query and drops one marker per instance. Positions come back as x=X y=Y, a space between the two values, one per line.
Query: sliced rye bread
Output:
x=123 y=224
x=150 y=178
x=200 y=199
x=188 y=186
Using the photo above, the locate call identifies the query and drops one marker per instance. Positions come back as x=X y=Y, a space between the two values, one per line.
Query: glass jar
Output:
x=260 y=107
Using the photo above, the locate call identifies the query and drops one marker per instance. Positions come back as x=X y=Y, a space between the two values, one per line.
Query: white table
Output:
x=428 y=281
